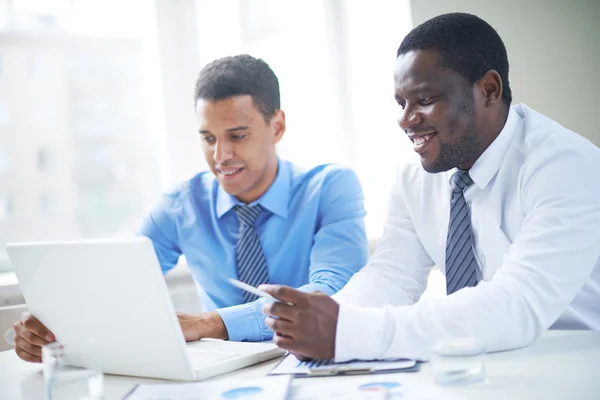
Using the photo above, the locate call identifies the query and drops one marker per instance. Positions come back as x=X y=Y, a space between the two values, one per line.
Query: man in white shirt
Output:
x=505 y=201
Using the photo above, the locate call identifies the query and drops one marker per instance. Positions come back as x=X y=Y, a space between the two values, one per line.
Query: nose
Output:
x=222 y=151
x=408 y=118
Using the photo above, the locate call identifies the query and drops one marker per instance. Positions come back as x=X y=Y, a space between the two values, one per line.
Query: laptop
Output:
x=107 y=303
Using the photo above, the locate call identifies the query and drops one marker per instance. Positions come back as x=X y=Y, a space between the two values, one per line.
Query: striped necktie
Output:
x=461 y=266
x=251 y=263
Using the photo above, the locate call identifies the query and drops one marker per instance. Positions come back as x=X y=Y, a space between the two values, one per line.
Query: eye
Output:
x=425 y=101
x=237 y=137
x=208 y=139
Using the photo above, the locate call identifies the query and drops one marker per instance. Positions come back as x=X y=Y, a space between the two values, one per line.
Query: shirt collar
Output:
x=275 y=199
x=489 y=162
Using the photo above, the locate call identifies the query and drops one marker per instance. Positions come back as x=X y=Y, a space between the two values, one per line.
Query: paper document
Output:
x=290 y=365
x=380 y=387
x=275 y=387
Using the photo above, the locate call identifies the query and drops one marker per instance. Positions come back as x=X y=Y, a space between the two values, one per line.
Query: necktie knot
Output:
x=247 y=214
x=460 y=180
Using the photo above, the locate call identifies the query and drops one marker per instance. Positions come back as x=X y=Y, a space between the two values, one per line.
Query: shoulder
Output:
x=544 y=142
x=198 y=188
x=322 y=177
x=557 y=162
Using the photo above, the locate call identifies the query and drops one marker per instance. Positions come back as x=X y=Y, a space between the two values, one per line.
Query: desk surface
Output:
x=560 y=365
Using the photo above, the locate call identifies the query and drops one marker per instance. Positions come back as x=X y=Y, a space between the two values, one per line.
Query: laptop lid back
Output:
x=107 y=303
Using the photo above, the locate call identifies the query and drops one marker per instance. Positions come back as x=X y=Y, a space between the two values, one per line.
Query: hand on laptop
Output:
x=307 y=327
x=30 y=336
x=203 y=325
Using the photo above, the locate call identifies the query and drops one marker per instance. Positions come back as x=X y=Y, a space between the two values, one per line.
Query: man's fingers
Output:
x=25 y=356
x=284 y=293
x=24 y=334
x=286 y=343
x=23 y=344
x=279 y=310
x=293 y=346
x=34 y=325
x=281 y=326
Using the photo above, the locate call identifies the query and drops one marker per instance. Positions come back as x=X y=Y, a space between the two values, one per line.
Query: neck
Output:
x=496 y=125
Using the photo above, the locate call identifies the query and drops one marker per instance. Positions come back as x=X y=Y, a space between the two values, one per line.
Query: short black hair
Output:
x=467 y=45
x=240 y=75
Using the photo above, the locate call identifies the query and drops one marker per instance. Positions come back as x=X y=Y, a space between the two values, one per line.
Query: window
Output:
x=5 y=163
x=4 y=115
x=70 y=137
x=43 y=160
x=38 y=67
x=119 y=127
x=259 y=24
x=42 y=113
x=48 y=204
x=6 y=207
x=336 y=79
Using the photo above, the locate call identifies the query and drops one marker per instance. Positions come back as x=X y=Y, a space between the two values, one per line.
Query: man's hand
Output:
x=30 y=336
x=307 y=327
x=203 y=325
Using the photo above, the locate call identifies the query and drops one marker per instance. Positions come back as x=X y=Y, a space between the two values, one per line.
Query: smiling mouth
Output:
x=230 y=172
x=421 y=142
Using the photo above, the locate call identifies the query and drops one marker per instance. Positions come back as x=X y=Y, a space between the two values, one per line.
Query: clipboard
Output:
x=290 y=365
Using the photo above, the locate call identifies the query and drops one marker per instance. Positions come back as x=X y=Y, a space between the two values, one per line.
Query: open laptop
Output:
x=107 y=303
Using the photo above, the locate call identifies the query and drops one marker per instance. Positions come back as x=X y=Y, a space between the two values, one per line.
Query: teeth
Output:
x=231 y=172
x=420 y=140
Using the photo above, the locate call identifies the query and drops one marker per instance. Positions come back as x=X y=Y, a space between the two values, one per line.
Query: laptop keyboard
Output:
x=200 y=357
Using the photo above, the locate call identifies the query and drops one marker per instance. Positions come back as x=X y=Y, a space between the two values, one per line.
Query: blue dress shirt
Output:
x=312 y=235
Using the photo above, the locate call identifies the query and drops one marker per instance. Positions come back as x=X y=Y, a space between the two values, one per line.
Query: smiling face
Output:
x=439 y=112
x=239 y=144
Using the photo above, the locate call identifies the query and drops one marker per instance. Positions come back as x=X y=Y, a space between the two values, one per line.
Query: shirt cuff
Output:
x=246 y=322
x=359 y=333
x=241 y=322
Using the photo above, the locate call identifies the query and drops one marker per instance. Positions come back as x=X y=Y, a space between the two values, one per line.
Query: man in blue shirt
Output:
x=252 y=217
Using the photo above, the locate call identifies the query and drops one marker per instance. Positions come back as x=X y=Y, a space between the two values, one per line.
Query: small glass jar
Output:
x=63 y=382
x=458 y=361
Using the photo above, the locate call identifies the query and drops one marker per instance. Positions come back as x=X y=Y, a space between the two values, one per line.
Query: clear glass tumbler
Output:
x=458 y=361
x=63 y=382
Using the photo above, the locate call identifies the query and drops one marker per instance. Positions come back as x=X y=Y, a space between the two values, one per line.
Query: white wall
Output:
x=553 y=50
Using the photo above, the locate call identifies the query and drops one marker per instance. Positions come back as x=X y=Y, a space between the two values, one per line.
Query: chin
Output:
x=428 y=166
x=433 y=167
x=233 y=190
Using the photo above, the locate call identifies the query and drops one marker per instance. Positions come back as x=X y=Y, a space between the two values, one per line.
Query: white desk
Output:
x=561 y=365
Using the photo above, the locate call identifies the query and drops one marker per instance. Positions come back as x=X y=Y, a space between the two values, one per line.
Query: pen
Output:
x=255 y=291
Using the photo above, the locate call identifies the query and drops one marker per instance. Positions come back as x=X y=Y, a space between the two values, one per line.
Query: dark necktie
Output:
x=251 y=263
x=461 y=266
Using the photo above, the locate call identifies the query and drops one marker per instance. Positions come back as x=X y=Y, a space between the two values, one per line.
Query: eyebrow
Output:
x=423 y=87
x=237 y=129
x=230 y=130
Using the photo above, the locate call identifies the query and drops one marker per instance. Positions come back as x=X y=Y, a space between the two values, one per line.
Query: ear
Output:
x=491 y=87
x=277 y=126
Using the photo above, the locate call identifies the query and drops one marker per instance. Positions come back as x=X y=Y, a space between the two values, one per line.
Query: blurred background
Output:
x=96 y=96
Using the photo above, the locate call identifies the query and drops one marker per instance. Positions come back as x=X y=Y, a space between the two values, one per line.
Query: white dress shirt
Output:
x=535 y=215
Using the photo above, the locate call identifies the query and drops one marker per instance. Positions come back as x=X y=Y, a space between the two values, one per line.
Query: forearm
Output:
x=509 y=312
x=203 y=325
x=499 y=319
